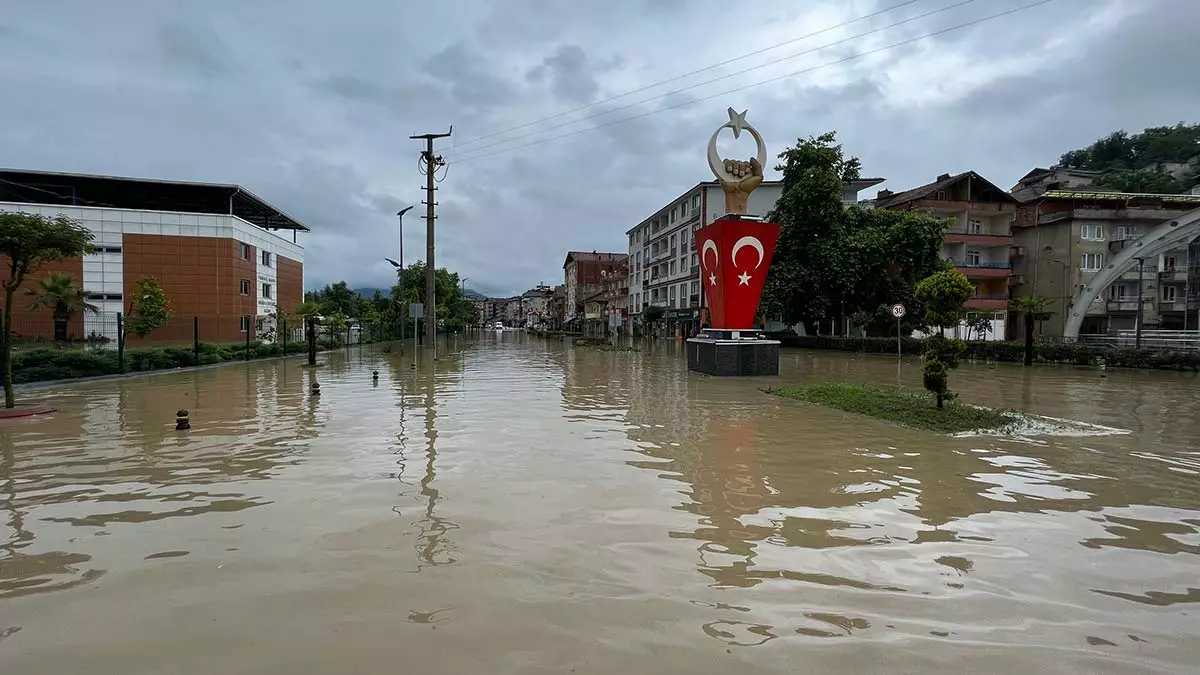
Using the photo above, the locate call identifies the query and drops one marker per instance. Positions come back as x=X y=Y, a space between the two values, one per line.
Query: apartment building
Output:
x=664 y=268
x=583 y=274
x=1063 y=238
x=218 y=251
x=979 y=239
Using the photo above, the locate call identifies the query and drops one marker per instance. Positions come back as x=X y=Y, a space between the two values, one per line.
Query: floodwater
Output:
x=524 y=507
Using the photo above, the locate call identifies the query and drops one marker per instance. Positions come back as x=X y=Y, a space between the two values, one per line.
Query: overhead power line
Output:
x=685 y=75
x=680 y=90
x=752 y=85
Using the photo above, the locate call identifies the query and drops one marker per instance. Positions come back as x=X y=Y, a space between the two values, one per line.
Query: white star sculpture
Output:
x=743 y=279
x=737 y=120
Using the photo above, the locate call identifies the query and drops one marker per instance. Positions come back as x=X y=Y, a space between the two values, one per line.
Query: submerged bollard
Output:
x=374 y=374
x=182 y=421
x=316 y=389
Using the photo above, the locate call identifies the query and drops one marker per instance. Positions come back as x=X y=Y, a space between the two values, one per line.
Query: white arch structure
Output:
x=1166 y=236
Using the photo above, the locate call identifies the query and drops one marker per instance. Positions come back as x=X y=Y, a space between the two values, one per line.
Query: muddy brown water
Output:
x=524 y=507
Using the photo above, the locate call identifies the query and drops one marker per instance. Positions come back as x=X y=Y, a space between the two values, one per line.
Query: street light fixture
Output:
x=400 y=215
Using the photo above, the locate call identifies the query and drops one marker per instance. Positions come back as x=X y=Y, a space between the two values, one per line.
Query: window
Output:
x=695 y=203
x=245 y=324
x=1092 y=232
x=672 y=267
x=105 y=296
x=673 y=241
x=245 y=287
x=974 y=226
x=940 y=195
x=674 y=214
x=683 y=209
x=672 y=294
x=637 y=300
x=1169 y=262
x=1091 y=262
x=695 y=287
x=1119 y=292
x=266 y=290
x=683 y=266
x=975 y=290
x=108 y=249
x=683 y=294
x=243 y=251
x=1168 y=293
x=695 y=260
x=973 y=258
x=266 y=258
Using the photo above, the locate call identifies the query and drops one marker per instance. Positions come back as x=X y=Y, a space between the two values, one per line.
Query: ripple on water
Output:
x=595 y=508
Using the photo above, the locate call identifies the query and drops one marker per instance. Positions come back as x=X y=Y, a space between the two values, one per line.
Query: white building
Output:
x=664 y=268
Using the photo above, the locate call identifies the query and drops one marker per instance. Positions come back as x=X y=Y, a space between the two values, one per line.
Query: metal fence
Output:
x=102 y=330
x=1167 y=340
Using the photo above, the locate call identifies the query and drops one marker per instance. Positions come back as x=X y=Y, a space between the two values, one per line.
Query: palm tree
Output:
x=1034 y=309
x=59 y=291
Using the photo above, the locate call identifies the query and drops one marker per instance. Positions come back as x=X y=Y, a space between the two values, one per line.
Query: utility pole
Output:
x=429 y=164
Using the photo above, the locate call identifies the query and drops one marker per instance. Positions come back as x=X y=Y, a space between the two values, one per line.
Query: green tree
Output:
x=832 y=261
x=1033 y=308
x=28 y=240
x=1128 y=163
x=979 y=324
x=410 y=287
x=58 y=291
x=942 y=297
x=149 y=309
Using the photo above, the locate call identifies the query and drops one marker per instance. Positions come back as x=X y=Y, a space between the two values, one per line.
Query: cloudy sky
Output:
x=310 y=104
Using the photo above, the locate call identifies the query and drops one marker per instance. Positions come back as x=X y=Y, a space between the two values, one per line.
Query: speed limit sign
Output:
x=898 y=310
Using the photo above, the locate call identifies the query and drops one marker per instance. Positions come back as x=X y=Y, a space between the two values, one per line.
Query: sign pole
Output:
x=898 y=311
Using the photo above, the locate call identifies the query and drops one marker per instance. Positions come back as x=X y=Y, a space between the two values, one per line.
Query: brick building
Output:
x=583 y=276
x=216 y=250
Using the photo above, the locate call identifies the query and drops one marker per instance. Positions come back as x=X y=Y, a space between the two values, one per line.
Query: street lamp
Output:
x=400 y=215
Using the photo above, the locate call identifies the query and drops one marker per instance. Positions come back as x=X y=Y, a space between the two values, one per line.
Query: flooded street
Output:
x=524 y=507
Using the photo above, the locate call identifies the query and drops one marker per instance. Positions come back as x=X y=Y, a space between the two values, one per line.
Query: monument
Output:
x=735 y=255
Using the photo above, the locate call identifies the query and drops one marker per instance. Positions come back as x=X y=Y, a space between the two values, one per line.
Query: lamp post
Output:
x=400 y=215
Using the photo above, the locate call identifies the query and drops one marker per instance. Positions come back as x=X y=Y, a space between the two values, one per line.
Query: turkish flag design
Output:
x=735 y=255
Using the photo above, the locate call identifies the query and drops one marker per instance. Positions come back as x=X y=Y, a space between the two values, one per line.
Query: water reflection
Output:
x=524 y=503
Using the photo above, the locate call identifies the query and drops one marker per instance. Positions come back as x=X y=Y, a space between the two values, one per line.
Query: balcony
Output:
x=959 y=235
x=1176 y=305
x=695 y=270
x=1123 y=304
x=988 y=301
x=983 y=270
x=1148 y=274
x=645 y=283
x=694 y=299
x=1174 y=275
x=1016 y=280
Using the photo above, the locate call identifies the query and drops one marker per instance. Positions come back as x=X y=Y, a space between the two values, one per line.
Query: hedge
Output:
x=995 y=350
x=40 y=365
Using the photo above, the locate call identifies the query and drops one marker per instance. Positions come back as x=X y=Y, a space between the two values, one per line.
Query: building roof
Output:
x=76 y=189
x=584 y=256
x=943 y=182
x=1120 y=196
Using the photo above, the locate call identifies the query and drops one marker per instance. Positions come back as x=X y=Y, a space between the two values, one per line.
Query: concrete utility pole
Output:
x=429 y=164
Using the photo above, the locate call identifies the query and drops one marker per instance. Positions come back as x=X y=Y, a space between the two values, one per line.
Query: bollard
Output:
x=374 y=374
x=316 y=389
x=182 y=421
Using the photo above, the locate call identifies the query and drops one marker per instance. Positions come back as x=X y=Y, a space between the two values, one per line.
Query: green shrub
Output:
x=38 y=365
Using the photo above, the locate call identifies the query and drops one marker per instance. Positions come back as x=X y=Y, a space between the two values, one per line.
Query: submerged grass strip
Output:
x=901 y=406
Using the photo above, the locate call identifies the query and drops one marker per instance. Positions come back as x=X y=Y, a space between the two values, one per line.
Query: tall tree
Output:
x=832 y=261
x=58 y=291
x=29 y=240
x=942 y=297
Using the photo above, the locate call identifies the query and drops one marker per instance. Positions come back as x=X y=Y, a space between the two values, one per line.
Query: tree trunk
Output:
x=1028 y=339
x=6 y=348
x=939 y=400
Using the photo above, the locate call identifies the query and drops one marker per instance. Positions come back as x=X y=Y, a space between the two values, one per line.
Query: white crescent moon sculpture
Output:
x=752 y=242
x=737 y=122
x=710 y=244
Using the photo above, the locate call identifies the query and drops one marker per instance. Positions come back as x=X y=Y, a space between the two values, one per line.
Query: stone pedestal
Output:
x=732 y=353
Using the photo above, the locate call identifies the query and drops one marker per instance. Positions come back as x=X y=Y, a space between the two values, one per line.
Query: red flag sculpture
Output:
x=735 y=255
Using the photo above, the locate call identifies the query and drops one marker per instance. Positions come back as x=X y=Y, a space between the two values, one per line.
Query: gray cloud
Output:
x=312 y=108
